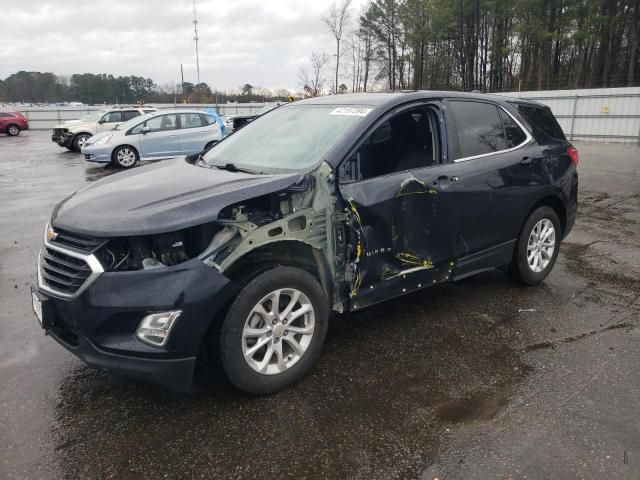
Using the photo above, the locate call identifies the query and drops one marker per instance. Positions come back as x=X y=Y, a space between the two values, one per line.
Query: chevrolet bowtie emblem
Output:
x=51 y=234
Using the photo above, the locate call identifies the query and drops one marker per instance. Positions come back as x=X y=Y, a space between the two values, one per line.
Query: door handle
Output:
x=526 y=161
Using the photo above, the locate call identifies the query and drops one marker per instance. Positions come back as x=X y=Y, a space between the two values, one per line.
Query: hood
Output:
x=69 y=123
x=167 y=196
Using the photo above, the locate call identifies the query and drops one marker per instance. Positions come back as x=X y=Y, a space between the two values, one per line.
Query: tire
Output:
x=13 y=130
x=534 y=258
x=70 y=148
x=78 y=141
x=283 y=369
x=124 y=156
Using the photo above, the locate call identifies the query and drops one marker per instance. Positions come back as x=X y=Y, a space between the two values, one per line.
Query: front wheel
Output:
x=79 y=140
x=125 y=157
x=13 y=130
x=537 y=247
x=273 y=331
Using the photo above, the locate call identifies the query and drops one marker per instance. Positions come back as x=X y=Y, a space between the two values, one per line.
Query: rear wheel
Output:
x=273 y=331
x=125 y=156
x=13 y=130
x=537 y=248
x=79 y=140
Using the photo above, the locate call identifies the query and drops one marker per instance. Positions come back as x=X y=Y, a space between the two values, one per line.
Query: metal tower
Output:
x=196 y=38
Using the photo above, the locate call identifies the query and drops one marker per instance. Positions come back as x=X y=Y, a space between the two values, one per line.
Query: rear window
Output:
x=543 y=119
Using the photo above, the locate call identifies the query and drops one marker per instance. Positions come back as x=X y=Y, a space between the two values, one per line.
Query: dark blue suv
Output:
x=329 y=204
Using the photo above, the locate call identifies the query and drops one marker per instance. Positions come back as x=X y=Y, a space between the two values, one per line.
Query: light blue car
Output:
x=154 y=136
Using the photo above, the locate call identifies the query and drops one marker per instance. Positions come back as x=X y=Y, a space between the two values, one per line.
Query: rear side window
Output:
x=129 y=114
x=190 y=120
x=479 y=128
x=543 y=119
x=512 y=132
x=6 y=115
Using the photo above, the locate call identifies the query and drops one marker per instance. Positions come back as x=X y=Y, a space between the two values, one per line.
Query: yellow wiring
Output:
x=359 y=250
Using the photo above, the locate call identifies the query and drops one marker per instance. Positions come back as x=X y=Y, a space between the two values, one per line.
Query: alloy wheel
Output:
x=126 y=157
x=278 y=331
x=13 y=130
x=541 y=245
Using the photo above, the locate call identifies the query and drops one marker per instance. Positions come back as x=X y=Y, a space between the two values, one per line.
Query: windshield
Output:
x=267 y=108
x=292 y=137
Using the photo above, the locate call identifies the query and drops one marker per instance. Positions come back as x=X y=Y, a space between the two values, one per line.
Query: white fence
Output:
x=603 y=114
x=44 y=118
x=599 y=114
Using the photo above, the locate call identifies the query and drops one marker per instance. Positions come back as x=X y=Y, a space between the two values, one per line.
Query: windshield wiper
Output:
x=230 y=167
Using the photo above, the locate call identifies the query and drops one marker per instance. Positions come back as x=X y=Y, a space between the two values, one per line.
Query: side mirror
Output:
x=145 y=130
x=101 y=121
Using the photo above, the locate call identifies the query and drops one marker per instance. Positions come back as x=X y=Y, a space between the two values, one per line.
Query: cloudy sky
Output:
x=262 y=42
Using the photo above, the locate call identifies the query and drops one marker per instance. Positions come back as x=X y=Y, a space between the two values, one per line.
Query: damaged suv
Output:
x=325 y=205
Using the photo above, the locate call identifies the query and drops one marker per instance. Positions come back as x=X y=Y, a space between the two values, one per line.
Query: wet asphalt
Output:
x=477 y=379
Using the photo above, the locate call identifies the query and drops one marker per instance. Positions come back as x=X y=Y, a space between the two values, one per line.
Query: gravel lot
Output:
x=478 y=379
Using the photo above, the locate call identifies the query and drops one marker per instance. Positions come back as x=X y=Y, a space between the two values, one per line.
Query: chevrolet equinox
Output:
x=325 y=205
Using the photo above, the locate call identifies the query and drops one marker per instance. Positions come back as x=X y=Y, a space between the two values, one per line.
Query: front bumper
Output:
x=97 y=153
x=99 y=325
x=64 y=139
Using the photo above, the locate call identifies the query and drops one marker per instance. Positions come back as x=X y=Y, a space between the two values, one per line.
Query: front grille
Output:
x=79 y=243
x=63 y=273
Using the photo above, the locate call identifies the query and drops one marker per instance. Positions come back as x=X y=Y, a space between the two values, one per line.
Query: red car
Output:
x=12 y=123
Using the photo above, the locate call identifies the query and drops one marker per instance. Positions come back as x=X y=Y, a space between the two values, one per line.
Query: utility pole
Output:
x=182 y=84
x=196 y=38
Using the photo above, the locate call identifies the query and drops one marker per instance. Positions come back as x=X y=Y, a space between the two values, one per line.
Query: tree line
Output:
x=487 y=45
x=89 y=88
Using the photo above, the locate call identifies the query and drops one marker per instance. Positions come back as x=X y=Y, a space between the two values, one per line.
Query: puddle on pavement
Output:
x=377 y=404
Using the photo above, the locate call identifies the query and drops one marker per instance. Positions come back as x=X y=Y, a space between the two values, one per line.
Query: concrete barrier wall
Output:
x=44 y=118
x=598 y=114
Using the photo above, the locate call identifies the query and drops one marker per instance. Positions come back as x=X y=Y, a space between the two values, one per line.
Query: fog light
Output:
x=154 y=329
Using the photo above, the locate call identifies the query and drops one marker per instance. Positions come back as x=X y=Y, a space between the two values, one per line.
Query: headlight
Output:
x=103 y=140
x=154 y=329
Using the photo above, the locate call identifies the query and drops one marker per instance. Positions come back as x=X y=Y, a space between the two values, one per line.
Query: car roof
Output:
x=178 y=110
x=389 y=99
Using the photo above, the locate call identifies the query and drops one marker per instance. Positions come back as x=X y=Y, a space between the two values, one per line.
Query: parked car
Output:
x=12 y=123
x=154 y=136
x=234 y=122
x=74 y=133
x=330 y=204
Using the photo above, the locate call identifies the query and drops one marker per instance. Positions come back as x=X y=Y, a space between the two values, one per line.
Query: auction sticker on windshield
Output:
x=351 y=111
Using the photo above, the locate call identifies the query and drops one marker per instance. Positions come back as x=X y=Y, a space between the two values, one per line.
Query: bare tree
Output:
x=336 y=18
x=312 y=77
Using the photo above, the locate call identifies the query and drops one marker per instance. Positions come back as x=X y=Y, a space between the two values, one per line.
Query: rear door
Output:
x=194 y=133
x=162 y=140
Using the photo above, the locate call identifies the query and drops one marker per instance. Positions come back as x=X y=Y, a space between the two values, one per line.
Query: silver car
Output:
x=155 y=136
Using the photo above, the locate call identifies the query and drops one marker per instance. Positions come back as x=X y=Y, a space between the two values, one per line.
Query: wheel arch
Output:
x=554 y=202
x=291 y=253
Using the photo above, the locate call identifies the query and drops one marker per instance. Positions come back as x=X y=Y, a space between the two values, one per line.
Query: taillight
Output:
x=573 y=155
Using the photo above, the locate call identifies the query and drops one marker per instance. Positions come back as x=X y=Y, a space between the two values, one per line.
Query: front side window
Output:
x=292 y=137
x=190 y=120
x=479 y=128
x=112 y=117
x=129 y=114
x=407 y=141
